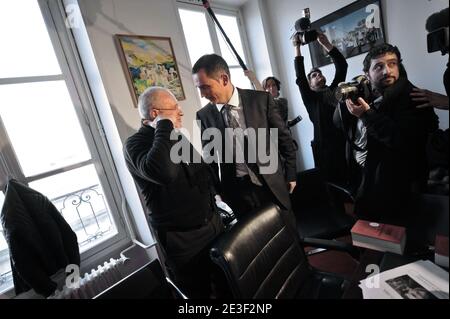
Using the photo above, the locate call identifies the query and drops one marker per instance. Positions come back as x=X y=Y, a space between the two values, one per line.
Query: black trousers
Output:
x=188 y=261
x=248 y=196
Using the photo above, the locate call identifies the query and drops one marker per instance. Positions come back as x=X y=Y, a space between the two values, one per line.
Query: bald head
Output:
x=157 y=103
x=152 y=98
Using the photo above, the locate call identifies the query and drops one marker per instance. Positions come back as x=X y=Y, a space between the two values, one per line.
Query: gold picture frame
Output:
x=149 y=61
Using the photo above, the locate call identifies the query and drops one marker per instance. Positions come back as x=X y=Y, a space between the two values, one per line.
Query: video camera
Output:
x=303 y=28
x=437 y=26
x=358 y=87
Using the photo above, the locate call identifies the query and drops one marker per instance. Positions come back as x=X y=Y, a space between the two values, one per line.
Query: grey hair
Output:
x=148 y=98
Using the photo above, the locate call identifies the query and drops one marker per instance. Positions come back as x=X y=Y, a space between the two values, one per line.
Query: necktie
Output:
x=232 y=122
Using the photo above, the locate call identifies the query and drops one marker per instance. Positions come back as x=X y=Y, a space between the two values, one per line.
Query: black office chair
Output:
x=263 y=258
x=319 y=208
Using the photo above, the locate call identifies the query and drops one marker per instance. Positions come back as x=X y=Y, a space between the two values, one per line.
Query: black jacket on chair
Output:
x=40 y=241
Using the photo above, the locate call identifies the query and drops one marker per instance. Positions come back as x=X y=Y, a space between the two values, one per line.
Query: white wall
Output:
x=404 y=22
x=255 y=30
x=103 y=19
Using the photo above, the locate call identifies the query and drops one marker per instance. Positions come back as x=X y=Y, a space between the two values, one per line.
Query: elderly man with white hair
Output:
x=179 y=196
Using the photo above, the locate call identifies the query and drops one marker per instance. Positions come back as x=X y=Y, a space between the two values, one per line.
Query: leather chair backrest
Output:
x=262 y=257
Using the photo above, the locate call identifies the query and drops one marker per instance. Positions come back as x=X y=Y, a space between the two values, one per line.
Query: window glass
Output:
x=26 y=47
x=239 y=79
x=197 y=34
x=42 y=125
x=230 y=25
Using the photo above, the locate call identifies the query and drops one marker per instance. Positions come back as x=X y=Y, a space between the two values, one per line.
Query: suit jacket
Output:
x=260 y=111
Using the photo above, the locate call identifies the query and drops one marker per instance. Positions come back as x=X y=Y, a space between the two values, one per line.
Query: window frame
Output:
x=54 y=15
x=220 y=10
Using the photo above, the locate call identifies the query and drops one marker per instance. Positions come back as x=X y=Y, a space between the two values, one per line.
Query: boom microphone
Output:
x=213 y=16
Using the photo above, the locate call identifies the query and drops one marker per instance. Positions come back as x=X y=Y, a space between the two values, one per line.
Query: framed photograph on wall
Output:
x=354 y=30
x=149 y=61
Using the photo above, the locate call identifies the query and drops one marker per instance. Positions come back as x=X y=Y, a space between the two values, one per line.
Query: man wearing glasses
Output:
x=319 y=99
x=178 y=195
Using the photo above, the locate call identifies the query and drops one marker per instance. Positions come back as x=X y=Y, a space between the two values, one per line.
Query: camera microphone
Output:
x=302 y=24
x=303 y=28
x=437 y=20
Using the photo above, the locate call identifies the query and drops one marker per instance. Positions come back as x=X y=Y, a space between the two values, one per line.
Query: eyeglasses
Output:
x=174 y=109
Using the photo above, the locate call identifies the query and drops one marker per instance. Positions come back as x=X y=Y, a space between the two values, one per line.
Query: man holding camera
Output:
x=387 y=135
x=328 y=144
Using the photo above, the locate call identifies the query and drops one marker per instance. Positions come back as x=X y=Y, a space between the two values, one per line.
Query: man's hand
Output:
x=323 y=40
x=250 y=74
x=171 y=117
x=291 y=186
x=357 y=109
x=296 y=42
x=252 y=77
x=429 y=99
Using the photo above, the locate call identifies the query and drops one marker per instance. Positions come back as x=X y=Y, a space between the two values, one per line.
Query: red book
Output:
x=441 y=251
x=377 y=236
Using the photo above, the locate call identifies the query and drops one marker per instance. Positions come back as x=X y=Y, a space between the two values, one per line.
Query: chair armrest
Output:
x=336 y=188
x=331 y=244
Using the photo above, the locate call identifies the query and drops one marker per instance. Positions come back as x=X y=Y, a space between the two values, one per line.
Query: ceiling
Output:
x=230 y=3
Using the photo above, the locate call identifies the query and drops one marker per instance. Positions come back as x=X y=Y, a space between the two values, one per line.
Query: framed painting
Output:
x=149 y=61
x=354 y=30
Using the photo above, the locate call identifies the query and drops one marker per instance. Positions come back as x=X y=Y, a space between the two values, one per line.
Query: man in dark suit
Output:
x=245 y=185
x=179 y=195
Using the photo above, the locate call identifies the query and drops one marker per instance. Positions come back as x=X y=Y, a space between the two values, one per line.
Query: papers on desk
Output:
x=418 y=280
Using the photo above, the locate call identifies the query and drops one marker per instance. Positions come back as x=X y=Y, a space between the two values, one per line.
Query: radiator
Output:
x=93 y=283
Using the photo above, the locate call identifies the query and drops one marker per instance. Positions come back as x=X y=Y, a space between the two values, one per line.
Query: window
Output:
x=203 y=37
x=51 y=140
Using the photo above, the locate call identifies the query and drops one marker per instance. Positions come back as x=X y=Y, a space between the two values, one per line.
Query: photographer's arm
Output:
x=324 y=42
x=338 y=59
x=252 y=77
x=410 y=127
x=302 y=82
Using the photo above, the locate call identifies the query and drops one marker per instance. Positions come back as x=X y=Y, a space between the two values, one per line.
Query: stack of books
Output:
x=377 y=236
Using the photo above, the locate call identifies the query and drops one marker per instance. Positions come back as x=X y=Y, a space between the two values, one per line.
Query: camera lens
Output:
x=345 y=91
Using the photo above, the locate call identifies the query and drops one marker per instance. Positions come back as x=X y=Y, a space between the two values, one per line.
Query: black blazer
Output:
x=260 y=111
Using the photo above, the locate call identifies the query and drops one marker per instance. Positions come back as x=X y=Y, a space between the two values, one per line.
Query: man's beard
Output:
x=382 y=84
